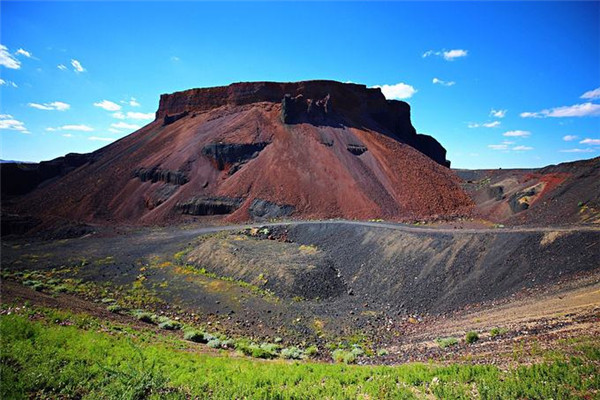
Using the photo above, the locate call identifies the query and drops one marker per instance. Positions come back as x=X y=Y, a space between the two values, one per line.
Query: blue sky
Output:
x=75 y=76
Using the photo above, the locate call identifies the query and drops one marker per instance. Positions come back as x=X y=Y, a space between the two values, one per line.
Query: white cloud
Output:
x=576 y=110
x=133 y=102
x=595 y=142
x=7 y=60
x=398 y=91
x=498 y=146
x=101 y=139
x=175 y=58
x=113 y=130
x=492 y=124
x=79 y=128
x=108 y=105
x=118 y=115
x=61 y=67
x=8 y=83
x=125 y=125
x=588 y=150
x=452 y=54
x=591 y=94
x=522 y=148
x=568 y=138
x=22 y=52
x=67 y=134
x=55 y=105
x=443 y=83
x=9 y=123
x=517 y=134
x=498 y=113
x=77 y=67
x=139 y=115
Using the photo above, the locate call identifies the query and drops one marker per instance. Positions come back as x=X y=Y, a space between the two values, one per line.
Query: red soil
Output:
x=305 y=165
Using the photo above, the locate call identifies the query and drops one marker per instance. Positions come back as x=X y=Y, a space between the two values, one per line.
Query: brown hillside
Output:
x=317 y=149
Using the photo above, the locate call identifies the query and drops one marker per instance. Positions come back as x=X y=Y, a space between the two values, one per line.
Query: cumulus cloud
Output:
x=498 y=146
x=7 y=60
x=67 y=134
x=576 y=110
x=517 y=134
x=588 y=150
x=443 y=83
x=108 y=105
x=61 y=67
x=522 y=148
x=8 y=83
x=133 y=102
x=8 y=122
x=22 y=52
x=591 y=94
x=118 y=115
x=594 y=142
x=101 y=139
x=492 y=124
x=77 y=67
x=448 y=55
x=125 y=125
x=498 y=113
x=398 y=91
x=79 y=128
x=569 y=138
x=55 y=105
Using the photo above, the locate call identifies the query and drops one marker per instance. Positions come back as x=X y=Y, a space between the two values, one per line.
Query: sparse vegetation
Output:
x=494 y=332
x=63 y=355
x=471 y=337
x=446 y=342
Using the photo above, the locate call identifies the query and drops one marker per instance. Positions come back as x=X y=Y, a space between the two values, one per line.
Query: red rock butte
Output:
x=261 y=150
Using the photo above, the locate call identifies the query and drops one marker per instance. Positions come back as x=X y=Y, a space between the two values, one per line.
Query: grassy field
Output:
x=52 y=354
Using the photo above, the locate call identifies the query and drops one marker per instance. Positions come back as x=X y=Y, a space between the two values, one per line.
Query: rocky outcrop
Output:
x=356 y=149
x=316 y=102
x=169 y=119
x=156 y=174
x=21 y=178
x=263 y=209
x=209 y=205
x=228 y=155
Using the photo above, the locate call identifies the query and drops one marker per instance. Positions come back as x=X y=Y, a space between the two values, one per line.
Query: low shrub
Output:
x=498 y=332
x=382 y=352
x=169 y=325
x=292 y=353
x=114 y=308
x=446 y=342
x=194 y=336
x=471 y=337
x=214 y=343
x=345 y=356
x=145 y=316
x=311 y=351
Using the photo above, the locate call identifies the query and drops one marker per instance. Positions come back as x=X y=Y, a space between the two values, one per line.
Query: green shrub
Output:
x=471 y=337
x=145 y=316
x=107 y=300
x=357 y=350
x=194 y=336
x=382 y=352
x=214 y=343
x=114 y=308
x=228 y=344
x=311 y=351
x=292 y=353
x=345 y=356
x=169 y=325
x=498 y=332
x=446 y=342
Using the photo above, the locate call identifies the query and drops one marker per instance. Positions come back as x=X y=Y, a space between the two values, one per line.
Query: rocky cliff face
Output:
x=325 y=103
x=318 y=149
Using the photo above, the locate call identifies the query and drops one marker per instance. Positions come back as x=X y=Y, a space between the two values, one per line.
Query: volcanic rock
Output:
x=314 y=149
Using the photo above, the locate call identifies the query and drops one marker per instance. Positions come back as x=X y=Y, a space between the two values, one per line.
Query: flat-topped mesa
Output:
x=319 y=102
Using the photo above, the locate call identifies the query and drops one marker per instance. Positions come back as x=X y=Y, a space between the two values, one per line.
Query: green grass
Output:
x=49 y=354
x=446 y=342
